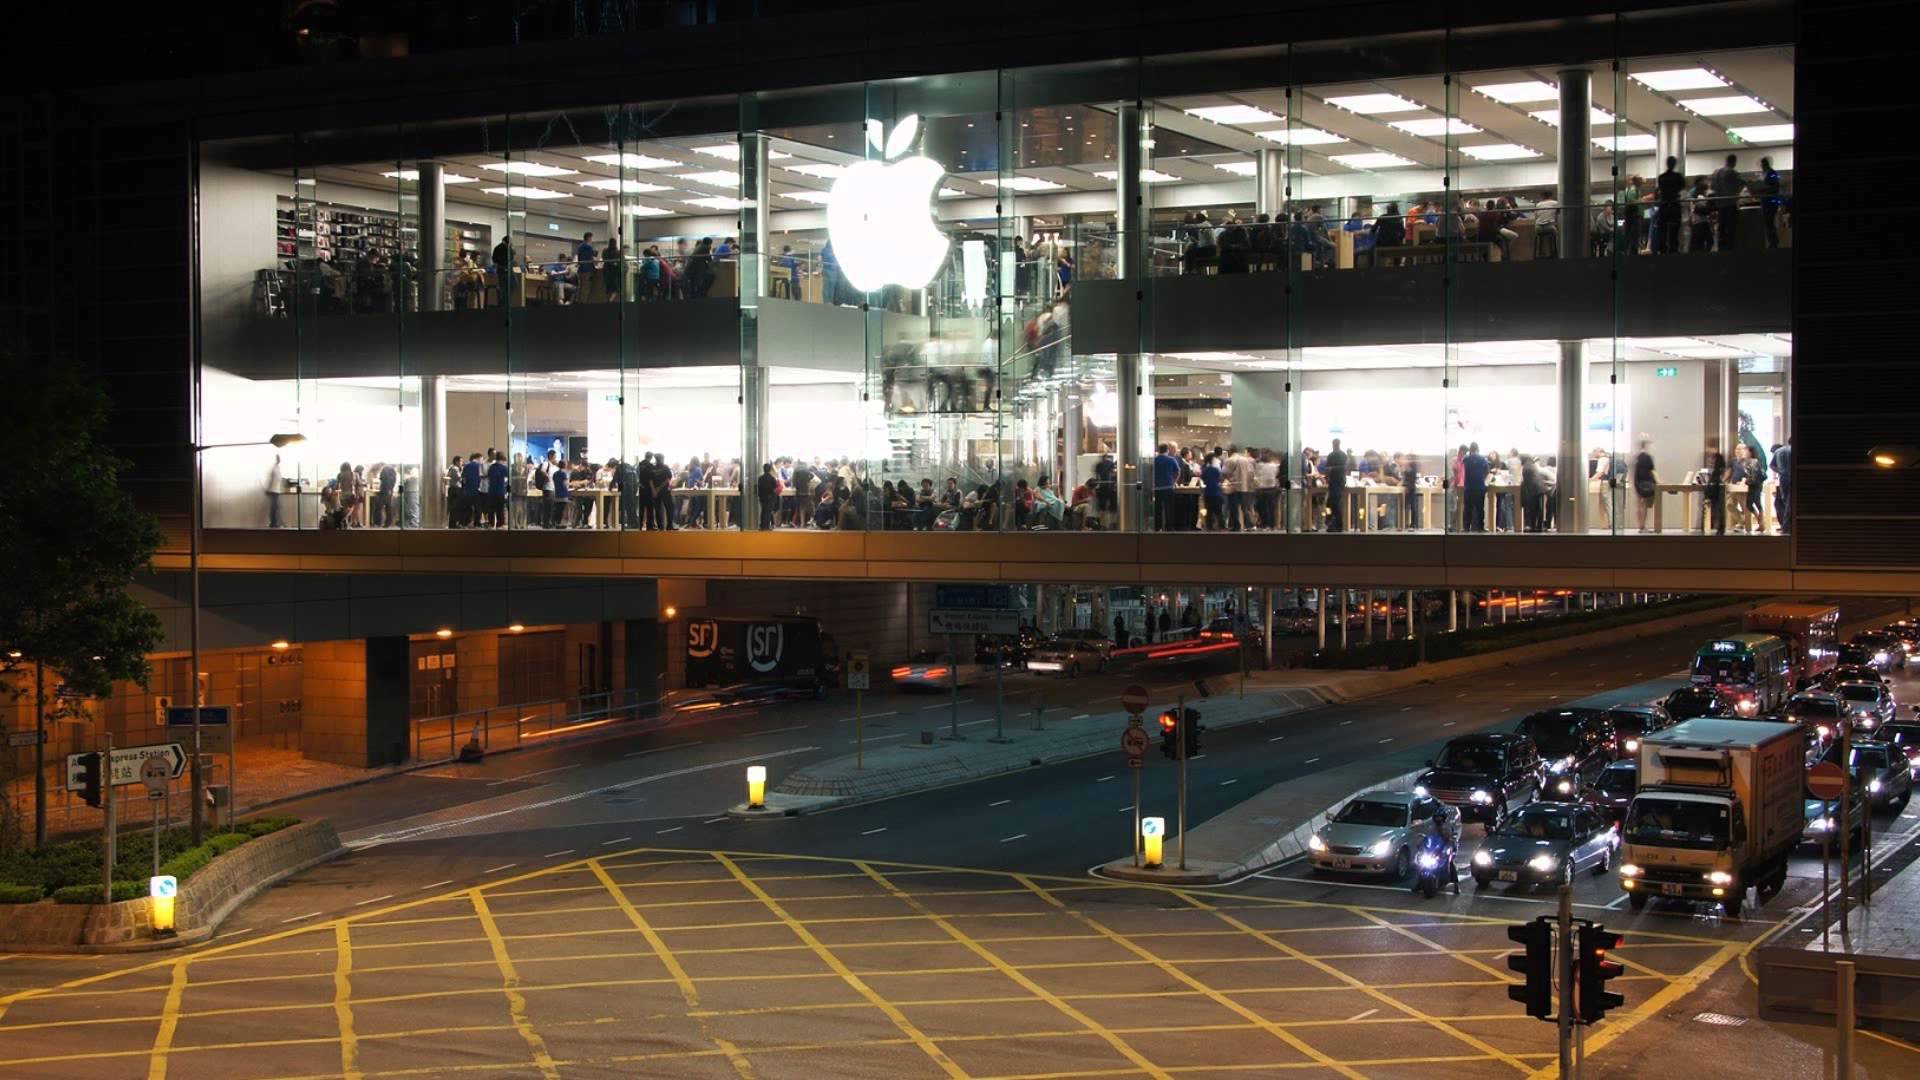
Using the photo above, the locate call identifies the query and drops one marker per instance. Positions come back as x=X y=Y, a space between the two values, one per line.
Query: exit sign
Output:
x=1666 y=372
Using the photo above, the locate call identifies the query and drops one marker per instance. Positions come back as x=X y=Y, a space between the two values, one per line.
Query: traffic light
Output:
x=1536 y=993
x=90 y=778
x=1170 y=726
x=1595 y=970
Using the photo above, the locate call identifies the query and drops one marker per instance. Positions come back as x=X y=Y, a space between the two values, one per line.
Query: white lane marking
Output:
x=664 y=749
x=1276 y=738
x=870 y=832
x=1126 y=808
x=1406 y=708
x=1621 y=899
x=417 y=831
x=1103 y=779
x=1450 y=723
x=714 y=820
x=881 y=738
x=1361 y=1016
x=298 y=918
x=615 y=840
x=1344 y=723
x=435 y=885
x=663 y=832
x=1384 y=741
x=557 y=854
x=1311 y=760
x=774 y=731
x=1224 y=783
x=377 y=899
x=1079 y=716
x=497 y=869
x=231 y=933
x=1461 y=694
x=871 y=716
x=1010 y=839
x=542 y=772
x=1002 y=802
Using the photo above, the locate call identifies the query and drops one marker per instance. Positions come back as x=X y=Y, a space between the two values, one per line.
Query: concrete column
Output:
x=1131 y=380
x=755 y=246
x=389 y=674
x=1409 y=613
x=433 y=452
x=1576 y=161
x=753 y=431
x=1266 y=623
x=1073 y=419
x=1453 y=610
x=433 y=236
x=1366 y=625
x=1320 y=619
x=1669 y=141
x=1570 y=492
x=1343 y=618
x=1129 y=158
x=1729 y=373
x=1270 y=182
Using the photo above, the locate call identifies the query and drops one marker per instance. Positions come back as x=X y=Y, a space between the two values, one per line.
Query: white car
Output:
x=935 y=671
x=1378 y=833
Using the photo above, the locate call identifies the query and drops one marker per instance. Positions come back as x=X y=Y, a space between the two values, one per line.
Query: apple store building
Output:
x=1426 y=283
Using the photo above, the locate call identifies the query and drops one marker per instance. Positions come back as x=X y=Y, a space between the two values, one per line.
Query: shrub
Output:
x=227 y=841
x=265 y=825
x=90 y=894
x=20 y=894
x=187 y=863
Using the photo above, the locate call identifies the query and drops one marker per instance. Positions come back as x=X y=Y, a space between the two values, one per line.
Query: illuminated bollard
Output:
x=160 y=892
x=1152 y=832
x=756 y=787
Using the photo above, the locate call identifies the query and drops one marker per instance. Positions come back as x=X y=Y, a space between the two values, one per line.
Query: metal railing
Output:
x=500 y=728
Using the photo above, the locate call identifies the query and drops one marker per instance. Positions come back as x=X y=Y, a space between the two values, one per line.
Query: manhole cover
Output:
x=1719 y=1019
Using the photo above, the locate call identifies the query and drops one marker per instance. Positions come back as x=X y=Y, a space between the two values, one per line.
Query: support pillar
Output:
x=433 y=236
x=1320 y=619
x=1270 y=182
x=1409 y=614
x=1669 y=141
x=1576 y=161
x=1266 y=624
x=754 y=451
x=1343 y=618
x=1570 y=488
x=432 y=494
x=1073 y=419
x=389 y=673
x=1132 y=380
x=1366 y=625
x=1453 y=610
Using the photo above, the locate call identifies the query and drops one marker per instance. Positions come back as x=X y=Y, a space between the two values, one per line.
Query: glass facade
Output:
x=1402 y=285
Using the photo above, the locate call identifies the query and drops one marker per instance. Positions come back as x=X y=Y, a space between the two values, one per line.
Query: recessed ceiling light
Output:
x=527 y=168
x=1433 y=127
x=516 y=191
x=1763 y=133
x=630 y=160
x=1679 y=79
x=1234 y=114
x=1301 y=136
x=414 y=174
x=1596 y=116
x=638 y=210
x=715 y=177
x=1022 y=183
x=1625 y=144
x=1147 y=176
x=717 y=202
x=1374 y=103
x=818 y=169
x=816 y=197
x=1725 y=106
x=1374 y=160
x=1499 y=152
x=953 y=193
x=731 y=152
x=629 y=187
x=1238 y=168
x=1513 y=93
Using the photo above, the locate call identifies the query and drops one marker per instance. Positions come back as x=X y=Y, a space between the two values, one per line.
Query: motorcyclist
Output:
x=1440 y=840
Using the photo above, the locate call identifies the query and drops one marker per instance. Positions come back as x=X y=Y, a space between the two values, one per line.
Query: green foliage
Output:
x=1493 y=637
x=90 y=893
x=271 y=824
x=20 y=894
x=77 y=862
x=225 y=842
x=188 y=862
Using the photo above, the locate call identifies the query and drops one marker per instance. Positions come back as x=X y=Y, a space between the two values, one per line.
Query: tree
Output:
x=71 y=541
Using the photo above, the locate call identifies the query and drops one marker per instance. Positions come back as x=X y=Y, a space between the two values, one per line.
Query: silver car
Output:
x=1870 y=704
x=1378 y=833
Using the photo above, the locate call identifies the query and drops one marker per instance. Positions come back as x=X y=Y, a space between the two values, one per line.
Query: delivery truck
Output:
x=1718 y=809
x=1811 y=632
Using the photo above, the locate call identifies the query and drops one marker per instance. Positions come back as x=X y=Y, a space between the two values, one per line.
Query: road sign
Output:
x=962 y=621
x=989 y=597
x=1826 y=781
x=859 y=671
x=1134 y=699
x=25 y=738
x=209 y=714
x=155 y=773
x=128 y=760
x=1133 y=740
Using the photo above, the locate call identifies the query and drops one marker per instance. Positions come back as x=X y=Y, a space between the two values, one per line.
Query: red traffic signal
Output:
x=1595 y=969
x=1168 y=721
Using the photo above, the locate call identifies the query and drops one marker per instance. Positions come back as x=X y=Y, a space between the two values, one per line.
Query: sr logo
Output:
x=764 y=644
x=703 y=637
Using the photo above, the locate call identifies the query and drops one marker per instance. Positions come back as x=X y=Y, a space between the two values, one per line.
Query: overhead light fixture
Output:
x=626 y=159
x=1433 y=127
x=1147 y=176
x=713 y=177
x=718 y=202
x=1725 y=106
x=1238 y=168
x=1301 y=136
x=515 y=627
x=1625 y=144
x=670 y=612
x=1021 y=183
x=1515 y=93
x=641 y=210
x=443 y=633
x=1763 y=133
x=1679 y=79
x=953 y=193
x=1369 y=104
x=1595 y=116
x=1499 y=152
x=1235 y=114
x=819 y=169
x=516 y=191
x=527 y=168
x=624 y=186
x=731 y=152
x=307 y=180
x=818 y=198
x=1896 y=456
x=414 y=174
x=281 y=646
x=1374 y=160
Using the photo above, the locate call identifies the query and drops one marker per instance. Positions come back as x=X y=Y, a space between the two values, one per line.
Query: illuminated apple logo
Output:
x=880 y=216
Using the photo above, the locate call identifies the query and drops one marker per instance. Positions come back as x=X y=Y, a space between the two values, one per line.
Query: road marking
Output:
x=1461 y=694
x=557 y=854
x=664 y=832
x=230 y=933
x=774 y=731
x=389 y=896
x=1002 y=802
x=1011 y=839
x=1103 y=780
x=664 y=749
x=1450 y=723
x=1080 y=716
x=1311 y=760
x=528 y=776
x=1126 y=808
x=298 y=918
x=1344 y=723
x=1384 y=741
x=510 y=985
x=169 y=1023
x=615 y=840
x=714 y=820
x=871 y=832
x=497 y=869
x=1276 y=738
x=1406 y=708
x=342 y=1003
x=435 y=885
x=1224 y=783
x=1361 y=1016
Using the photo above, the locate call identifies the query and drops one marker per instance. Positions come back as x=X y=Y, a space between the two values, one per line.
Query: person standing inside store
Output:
x=1166 y=474
x=503 y=271
x=1783 y=483
x=470 y=474
x=767 y=493
x=613 y=271
x=498 y=482
x=1239 y=485
x=663 y=493
x=1646 y=483
x=559 y=499
x=1768 y=189
x=1266 y=490
x=387 y=490
x=586 y=264
x=276 y=483
x=1726 y=185
x=1713 y=488
x=1473 y=489
x=1410 y=490
x=1669 y=186
x=1211 y=495
x=1699 y=217
x=1106 y=493
x=1336 y=467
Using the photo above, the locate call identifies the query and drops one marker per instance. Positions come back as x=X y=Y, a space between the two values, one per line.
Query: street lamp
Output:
x=278 y=442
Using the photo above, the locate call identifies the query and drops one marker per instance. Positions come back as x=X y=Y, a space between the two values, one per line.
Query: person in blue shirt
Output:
x=792 y=266
x=470 y=474
x=497 y=491
x=1473 y=489
x=560 y=502
x=1216 y=500
x=1166 y=474
x=584 y=255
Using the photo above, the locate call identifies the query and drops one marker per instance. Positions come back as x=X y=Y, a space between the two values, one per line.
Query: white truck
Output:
x=1719 y=807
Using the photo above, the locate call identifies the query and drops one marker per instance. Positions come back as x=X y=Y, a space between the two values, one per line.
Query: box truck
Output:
x=1811 y=631
x=1718 y=809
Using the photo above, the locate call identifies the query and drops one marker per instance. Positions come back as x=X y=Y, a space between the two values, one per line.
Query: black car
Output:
x=1007 y=650
x=1612 y=791
x=1630 y=722
x=1483 y=775
x=1904 y=736
x=1845 y=673
x=1858 y=655
x=1691 y=702
x=1575 y=743
x=1887 y=651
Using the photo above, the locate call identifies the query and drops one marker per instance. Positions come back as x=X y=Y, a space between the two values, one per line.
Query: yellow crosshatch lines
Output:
x=744 y=963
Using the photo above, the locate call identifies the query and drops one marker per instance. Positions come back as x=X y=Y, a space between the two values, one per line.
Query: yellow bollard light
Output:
x=160 y=892
x=1152 y=831
x=756 y=787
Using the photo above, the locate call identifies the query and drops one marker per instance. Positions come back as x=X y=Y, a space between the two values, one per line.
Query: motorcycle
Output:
x=1433 y=867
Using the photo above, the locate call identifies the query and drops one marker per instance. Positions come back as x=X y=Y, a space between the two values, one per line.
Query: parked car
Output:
x=1632 y=721
x=1612 y=791
x=1293 y=622
x=1071 y=652
x=1575 y=743
x=1869 y=704
x=1376 y=833
x=1881 y=769
x=1690 y=702
x=1484 y=776
x=935 y=671
x=1904 y=737
x=1546 y=844
x=1887 y=651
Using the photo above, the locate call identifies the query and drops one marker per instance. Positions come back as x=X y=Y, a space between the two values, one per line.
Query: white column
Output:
x=1576 y=161
x=1270 y=182
x=433 y=236
x=433 y=452
x=1669 y=141
x=1570 y=491
x=1130 y=368
x=754 y=397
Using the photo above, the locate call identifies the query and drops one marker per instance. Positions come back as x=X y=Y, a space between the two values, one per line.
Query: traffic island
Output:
x=778 y=805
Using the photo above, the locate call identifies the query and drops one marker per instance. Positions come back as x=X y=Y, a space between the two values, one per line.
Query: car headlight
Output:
x=1421 y=790
x=1380 y=848
x=1720 y=877
x=1746 y=706
x=1628 y=870
x=1880 y=657
x=1820 y=824
x=1428 y=860
x=1866 y=722
x=1314 y=843
x=1482 y=798
x=1561 y=765
x=1482 y=858
x=1824 y=730
x=1632 y=745
x=1564 y=787
x=1873 y=786
x=1543 y=862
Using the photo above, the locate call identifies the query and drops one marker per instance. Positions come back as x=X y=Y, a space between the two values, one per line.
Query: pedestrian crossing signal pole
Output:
x=1180 y=745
